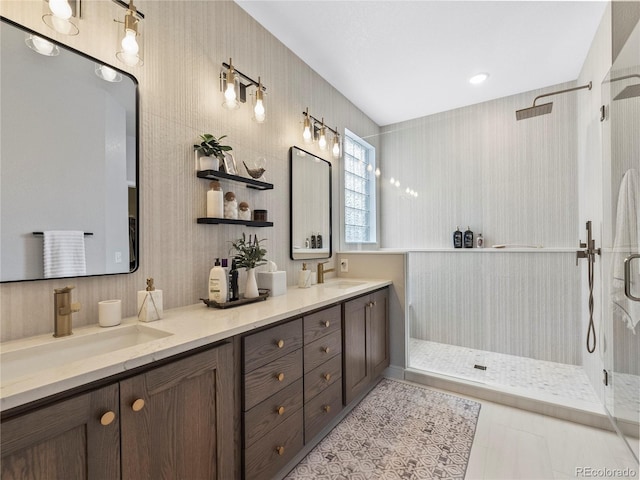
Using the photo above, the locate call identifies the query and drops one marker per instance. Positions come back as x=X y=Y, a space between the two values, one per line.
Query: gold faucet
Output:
x=62 y=310
x=322 y=271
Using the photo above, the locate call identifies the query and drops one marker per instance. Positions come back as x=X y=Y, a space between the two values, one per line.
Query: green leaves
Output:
x=210 y=145
x=249 y=252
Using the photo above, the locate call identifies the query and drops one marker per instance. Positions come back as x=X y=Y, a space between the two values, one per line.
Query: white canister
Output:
x=109 y=313
x=230 y=206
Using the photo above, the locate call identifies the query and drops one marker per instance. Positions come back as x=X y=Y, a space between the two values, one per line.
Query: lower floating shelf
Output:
x=249 y=223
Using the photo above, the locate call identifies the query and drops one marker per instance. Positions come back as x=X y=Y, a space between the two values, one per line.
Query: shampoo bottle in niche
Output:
x=215 y=202
x=304 y=277
x=150 y=303
x=313 y=240
x=218 y=290
x=319 y=240
x=457 y=238
x=480 y=241
x=468 y=238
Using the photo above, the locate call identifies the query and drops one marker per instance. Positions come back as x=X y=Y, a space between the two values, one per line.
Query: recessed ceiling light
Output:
x=478 y=78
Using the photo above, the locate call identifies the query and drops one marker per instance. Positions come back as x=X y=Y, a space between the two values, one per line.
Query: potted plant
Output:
x=248 y=255
x=212 y=152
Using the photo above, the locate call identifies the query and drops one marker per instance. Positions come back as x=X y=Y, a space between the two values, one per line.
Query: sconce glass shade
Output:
x=336 y=146
x=307 y=134
x=231 y=89
x=41 y=46
x=130 y=46
x=259 y=113
x=107 y=73
x=322 y=139
x=58 y=15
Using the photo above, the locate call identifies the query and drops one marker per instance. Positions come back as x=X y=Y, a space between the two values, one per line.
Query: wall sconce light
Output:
x=58 y=15
x=316 y=129
x=41 y=46
x=234 y=84
x=130 y=45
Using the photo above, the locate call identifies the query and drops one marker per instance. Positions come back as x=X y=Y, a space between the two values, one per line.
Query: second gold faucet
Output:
x=322 y=271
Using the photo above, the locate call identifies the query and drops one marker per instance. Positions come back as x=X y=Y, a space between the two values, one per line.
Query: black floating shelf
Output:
x=249 y=223
x=251 y=183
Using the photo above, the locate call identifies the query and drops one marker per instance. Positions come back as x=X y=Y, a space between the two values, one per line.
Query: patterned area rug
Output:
x=399 y=431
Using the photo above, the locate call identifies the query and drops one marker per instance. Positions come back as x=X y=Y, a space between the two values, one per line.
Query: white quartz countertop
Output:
x=187 y=327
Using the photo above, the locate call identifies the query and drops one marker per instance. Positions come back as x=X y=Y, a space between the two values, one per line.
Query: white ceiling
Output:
x=397 y=60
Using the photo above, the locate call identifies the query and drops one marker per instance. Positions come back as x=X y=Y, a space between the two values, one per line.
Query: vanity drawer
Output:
x=321 y=410
x=263 y=347
x=267 y=415
x=264 y=381
x=321 y=350
x=320 y=378
x=265 y=457
x=322 y=323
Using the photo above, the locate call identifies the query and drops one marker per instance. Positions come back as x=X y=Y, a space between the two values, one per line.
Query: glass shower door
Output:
x=621 y=241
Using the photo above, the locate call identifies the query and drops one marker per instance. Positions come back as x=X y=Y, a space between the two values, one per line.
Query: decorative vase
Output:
x=251 y=288
x=210 y=162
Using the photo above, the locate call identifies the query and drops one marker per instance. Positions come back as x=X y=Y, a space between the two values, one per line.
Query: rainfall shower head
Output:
x=537 y=110
x=534 y=111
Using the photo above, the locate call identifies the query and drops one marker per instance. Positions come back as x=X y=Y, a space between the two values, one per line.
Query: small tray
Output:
x=263 y=294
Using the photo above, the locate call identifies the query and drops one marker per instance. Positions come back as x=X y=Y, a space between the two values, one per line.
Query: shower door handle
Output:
x=627 y=277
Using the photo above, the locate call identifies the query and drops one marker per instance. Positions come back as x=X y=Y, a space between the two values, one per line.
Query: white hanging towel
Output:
x=64 y=253
x=627 y=242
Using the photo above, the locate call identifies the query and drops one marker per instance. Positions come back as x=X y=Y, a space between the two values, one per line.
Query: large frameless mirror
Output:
x=69 y=162
x=310 y=205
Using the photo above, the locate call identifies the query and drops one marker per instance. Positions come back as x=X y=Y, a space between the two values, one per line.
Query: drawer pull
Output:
x=280 y=450
x=327 y=323
x=327 y=408
x=280 y=343
x=280 y=410
x=280 y=377
x=327 y=376
x=326 y=349
x=137 y=405
x=107 y=418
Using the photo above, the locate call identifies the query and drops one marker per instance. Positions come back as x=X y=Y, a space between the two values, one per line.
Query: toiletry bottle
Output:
x=468 y=238
x=457 y=238
x=307 y=244
x=319 y=240
x=313 y=240
x=480 y=241
x=217 y=284
x=150 y=303
x=233 y=282
x=215 y=200
x=225 y=266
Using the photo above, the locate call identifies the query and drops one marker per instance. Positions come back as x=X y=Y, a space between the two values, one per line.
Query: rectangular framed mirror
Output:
x=310 y=189
x=69 y=150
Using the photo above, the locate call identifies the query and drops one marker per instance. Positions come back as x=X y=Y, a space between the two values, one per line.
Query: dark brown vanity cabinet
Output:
x=366 y=341
x=272 y=398
x=173 y=421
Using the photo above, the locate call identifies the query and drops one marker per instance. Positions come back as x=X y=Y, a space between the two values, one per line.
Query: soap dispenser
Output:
x=304 y=277
x=218 y=286
x=150 y=303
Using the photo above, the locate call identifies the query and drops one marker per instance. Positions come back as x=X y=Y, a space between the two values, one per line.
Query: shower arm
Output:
x=562 y=91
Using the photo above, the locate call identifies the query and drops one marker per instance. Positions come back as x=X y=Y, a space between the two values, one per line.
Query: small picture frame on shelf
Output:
x=230 y=164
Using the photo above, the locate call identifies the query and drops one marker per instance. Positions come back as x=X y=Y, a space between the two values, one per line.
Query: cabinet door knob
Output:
x=327 y=323
x=137 y=405
x=107 y=418
x=280 y=450
x=280 y=343
x=326 y=349
x=280 y=410
x=280 y=377
x=327 y=408
x=327 y=376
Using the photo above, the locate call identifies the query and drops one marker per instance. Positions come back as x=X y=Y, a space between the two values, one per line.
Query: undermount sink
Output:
x=62 y=351
x=344 y=284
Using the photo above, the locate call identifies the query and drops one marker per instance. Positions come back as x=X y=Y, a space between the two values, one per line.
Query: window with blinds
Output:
x=359 y=190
